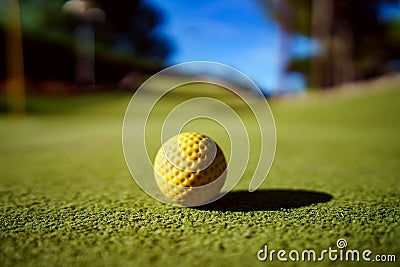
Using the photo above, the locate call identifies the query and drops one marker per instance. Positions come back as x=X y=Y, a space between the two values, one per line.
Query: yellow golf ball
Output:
x=190 y=169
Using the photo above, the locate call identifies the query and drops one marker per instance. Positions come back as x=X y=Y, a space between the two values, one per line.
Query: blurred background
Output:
x=285 y=46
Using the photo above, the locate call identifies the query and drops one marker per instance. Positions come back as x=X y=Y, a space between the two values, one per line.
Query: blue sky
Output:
x=238 y=33
x=390 y=11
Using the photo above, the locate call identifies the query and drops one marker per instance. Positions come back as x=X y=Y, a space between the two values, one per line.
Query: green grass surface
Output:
x=67 y=198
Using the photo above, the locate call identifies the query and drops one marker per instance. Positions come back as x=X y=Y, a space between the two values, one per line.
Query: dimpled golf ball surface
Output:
x=190 y=169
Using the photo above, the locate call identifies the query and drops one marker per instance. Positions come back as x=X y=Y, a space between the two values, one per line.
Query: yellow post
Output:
x=15 y=83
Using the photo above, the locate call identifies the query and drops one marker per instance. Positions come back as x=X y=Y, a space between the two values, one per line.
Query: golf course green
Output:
x=68 y=199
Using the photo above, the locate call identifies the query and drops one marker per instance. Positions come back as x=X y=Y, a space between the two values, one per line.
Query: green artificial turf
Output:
x=67 y=198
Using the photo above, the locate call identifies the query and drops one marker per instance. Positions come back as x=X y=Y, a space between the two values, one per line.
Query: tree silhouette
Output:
x=356 y=43
x=128 y=38
x=132 y=26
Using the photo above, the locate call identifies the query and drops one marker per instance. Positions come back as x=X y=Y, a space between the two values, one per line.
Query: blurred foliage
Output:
x=394 y=29
x=292 y=19
x=355 y=41
x=128 y=38
x=133 y=26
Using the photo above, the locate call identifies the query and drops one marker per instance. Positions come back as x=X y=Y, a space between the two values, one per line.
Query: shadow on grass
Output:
x=274 y=199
